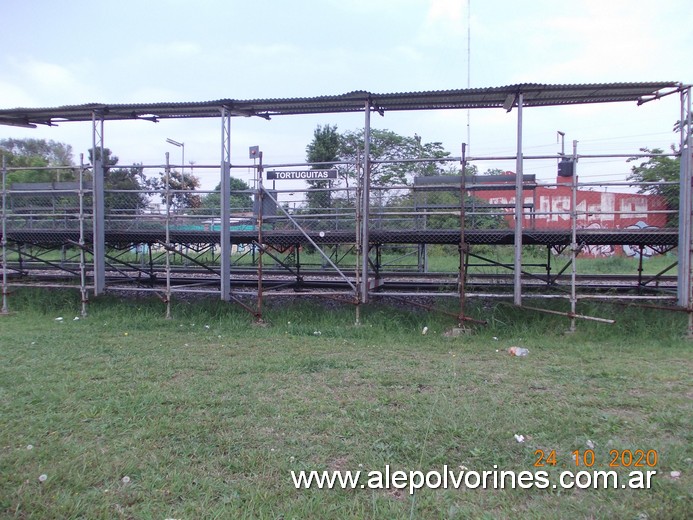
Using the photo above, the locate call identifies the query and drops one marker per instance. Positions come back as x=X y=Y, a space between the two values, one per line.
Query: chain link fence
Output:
x=415 y=226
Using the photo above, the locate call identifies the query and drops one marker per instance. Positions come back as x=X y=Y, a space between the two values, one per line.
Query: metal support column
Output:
x=463 y=243
x=225 y=210
x=167 y=195
x=358 y=241
x=517 y=268
x=573 y=241
x=5 y=309
x=685 y=273
x=82 y=252
x=260 y=239
x=98 y=215
x=365 y=203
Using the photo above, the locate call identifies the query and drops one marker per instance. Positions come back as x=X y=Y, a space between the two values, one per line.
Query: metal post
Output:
x=517 y=282
x=573 y=241
x=685 y=204
x=687 y=164
x=463 y=245
x=685 y=273
x=365 y=202
x=260 y=197
x=82 y=253
x=5 y=309
x=168 y=237
x=359 y=243
x=98 y=216
x=225 y=210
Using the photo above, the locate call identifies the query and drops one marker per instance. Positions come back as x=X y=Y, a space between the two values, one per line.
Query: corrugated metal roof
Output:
x=533 y=94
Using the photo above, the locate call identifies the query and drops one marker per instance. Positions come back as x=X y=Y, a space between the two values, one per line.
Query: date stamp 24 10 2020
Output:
x=587 y=458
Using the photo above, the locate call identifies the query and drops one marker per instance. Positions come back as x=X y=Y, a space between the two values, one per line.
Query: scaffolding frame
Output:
x=364 y=280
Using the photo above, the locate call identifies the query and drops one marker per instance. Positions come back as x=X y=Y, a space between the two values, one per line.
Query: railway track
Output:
x=308 y=280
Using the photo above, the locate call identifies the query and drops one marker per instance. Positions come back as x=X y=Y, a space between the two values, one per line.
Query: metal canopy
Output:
x=533 y=94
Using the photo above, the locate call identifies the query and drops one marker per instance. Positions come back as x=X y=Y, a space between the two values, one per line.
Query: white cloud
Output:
x=445 y=24
x=13 y=96
x=50 y=83
x=596 y=42
x=48 y=74
x=171 y=50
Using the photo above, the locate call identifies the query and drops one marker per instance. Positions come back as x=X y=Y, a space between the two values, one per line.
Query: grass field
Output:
x=207 y=414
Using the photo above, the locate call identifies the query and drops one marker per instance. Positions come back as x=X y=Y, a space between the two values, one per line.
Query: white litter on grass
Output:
x=519 y=438
x=125 y=480
x=590 y=444
x=495 y=338
x=76 y=318
x=675 y=474
x=43 y=478
x=59 y=318
x=206 y=326
x=30 y=447
x=424 y=331
x=317 y=333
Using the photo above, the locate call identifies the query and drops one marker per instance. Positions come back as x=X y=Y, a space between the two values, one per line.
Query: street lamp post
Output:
x=182 y=147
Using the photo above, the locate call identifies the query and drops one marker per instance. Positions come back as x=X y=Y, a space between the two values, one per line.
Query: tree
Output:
x=479 y=214
x=388 y=149
x=324 y=148
x=182 y=186
x=33 y=154
x=125 y=188
x=239 y=202
x=109 y=159
x=659 y=169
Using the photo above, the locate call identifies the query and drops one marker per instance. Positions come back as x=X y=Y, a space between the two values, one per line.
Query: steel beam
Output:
x=365 y=203
x=98 y=216
x=82 y=242
x=685 y=284
x=225 y=201
x=517 y=284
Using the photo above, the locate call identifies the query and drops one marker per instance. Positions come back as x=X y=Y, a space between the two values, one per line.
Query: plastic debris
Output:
x=518 y=351
x=424 y=331
x=125 y=480
x=495 y=338
x=43 y=478
x=675 y=474
x=30 y=447
x=59 y=318
x=76 y=318
x=519 y=438
x=590 y=444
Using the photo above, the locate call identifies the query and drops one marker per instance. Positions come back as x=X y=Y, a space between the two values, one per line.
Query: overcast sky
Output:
x=61 y=53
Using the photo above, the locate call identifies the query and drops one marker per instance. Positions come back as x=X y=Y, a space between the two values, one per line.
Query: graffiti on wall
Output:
x=549 y=207
x=647 y=251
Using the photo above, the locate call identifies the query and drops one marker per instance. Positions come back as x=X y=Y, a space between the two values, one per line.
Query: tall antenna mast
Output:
x=469 y=67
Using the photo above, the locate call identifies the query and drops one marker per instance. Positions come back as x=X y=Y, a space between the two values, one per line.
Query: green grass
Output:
x=207 y=413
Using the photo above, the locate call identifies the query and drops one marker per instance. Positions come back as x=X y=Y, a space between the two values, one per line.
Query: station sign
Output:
x=302 y=175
